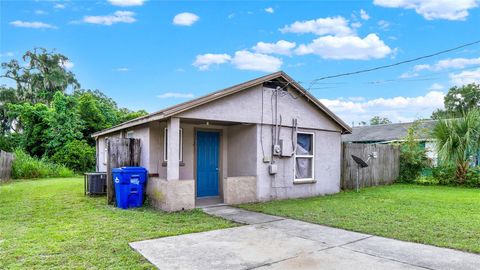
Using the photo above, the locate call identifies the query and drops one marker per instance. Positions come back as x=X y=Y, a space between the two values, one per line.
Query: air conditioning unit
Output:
x=95 y=183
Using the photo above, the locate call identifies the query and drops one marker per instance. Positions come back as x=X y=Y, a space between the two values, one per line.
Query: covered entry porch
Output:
x=197 y=162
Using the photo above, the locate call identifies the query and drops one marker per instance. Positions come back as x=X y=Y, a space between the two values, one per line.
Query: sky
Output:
x=153 y=54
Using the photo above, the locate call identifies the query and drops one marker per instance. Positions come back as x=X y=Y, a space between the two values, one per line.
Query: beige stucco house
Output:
x=264 y=139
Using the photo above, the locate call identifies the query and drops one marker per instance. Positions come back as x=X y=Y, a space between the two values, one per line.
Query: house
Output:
x=390 y=133
x=260 y=140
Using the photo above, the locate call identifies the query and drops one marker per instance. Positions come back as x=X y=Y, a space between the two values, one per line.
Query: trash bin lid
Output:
x=129 y=170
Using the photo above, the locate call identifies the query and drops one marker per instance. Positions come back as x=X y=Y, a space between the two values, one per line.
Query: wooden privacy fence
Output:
x=6 y=160
x=120 y=152
x=382 y=170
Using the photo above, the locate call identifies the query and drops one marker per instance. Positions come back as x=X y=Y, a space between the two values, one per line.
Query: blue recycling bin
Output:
x=129 y=186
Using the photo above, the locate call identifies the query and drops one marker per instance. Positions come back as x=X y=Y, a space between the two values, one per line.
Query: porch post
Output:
x=173 y=138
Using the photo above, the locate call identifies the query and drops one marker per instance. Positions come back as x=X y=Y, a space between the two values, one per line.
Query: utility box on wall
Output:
x=287 y=149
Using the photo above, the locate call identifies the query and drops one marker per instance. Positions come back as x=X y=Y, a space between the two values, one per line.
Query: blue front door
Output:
x=208 y=150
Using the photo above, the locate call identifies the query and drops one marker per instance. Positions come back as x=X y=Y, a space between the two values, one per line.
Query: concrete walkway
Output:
x=270 y=242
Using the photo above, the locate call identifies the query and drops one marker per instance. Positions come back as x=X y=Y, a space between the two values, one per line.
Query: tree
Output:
x=457 y=140
x=458 y=101
x=64 y=123
x=8 y=95
x=38 y=116
x=43 y=74
x=32 y=125
x=76 y=155
x=377 y=120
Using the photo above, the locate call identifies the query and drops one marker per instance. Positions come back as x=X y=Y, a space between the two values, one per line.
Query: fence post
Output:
x=6 y=161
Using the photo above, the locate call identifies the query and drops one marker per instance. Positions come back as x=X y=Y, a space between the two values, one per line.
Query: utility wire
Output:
x=426 y=77
x=394 y=64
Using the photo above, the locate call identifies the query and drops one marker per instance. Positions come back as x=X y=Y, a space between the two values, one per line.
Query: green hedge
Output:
x=26 y=167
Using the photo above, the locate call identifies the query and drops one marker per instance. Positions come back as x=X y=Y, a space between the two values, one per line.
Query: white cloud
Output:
x=67 y=65
x=433 y=9
x=396 y=108
x=451 y=63
x=322 y=26
x=40 y=12
x=204 y=61
x=176 y=95
x=364 y=15
x=122 y=69
x=116 y=17
x=269 y=10
x=465 y=77
x=384 y=25
x=126 y=3
x=282 y=47
x=231 y=15
x=59 y=6
x=36 y=25
x=436 y=87
x=346 y=47
x=246 y=60
x=356 y=25
x=409 y=74
x=185 y=19
x=7 y=54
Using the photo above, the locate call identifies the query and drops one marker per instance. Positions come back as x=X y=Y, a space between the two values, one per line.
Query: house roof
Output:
x=389 y=132
x=172 y=111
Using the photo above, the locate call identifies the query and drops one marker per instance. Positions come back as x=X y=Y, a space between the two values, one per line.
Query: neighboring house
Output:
x=390 y=133
x=264 y=139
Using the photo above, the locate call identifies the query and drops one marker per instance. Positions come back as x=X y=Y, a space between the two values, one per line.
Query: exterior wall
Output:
x=187 y=166
x=242 y=149
x=143 y=133
x=247 y=106
x=171 y=195
x=327 y=167
x=155 y=144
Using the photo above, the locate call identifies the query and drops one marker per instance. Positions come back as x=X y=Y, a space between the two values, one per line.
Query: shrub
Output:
x=413 y=157
x=426 y=180
x=76 y=155
x=445 y=174
x=472 y=178
x=26 y=167
x=9 y=142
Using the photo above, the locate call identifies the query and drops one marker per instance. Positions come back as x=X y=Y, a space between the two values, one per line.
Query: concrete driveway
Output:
x=270 y=242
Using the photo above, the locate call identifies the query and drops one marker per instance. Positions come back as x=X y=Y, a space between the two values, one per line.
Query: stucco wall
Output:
x=143 y=133
x=246 y=107
x=281 y=185
x=241 y=145
x=242 y=149
x=187 y=169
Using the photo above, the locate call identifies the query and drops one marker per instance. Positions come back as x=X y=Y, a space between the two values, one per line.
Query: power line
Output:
x=427 y=77
x=394 y=64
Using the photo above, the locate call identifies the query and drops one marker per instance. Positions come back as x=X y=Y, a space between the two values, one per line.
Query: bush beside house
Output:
x=27 y=167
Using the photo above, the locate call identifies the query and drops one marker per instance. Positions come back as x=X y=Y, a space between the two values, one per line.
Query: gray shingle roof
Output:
x=388 y=132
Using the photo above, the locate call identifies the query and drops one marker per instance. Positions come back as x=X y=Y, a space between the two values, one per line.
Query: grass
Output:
x=49 y=224
x=435 y=215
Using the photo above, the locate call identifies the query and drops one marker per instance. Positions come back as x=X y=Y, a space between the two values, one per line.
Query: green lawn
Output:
x=435 y=215
x=49 y=224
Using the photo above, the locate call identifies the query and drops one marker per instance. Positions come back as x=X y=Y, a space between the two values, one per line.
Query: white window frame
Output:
x=129 y=134
x=312 y=156
x=165 y=140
